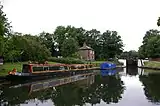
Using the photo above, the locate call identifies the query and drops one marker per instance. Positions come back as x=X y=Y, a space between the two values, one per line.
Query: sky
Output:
x=130 y=18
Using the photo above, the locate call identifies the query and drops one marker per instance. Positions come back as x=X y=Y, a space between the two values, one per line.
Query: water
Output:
x=127 y=87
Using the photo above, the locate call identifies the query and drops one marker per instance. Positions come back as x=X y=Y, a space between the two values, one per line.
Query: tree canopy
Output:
x=25 y=47
x=5 y=29
x=132 y=54
x=69 y=47
x=150 y=47
x=64 y=41
x=106 y=45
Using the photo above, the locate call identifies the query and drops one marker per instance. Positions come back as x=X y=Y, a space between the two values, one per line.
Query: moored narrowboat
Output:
x=37 y=70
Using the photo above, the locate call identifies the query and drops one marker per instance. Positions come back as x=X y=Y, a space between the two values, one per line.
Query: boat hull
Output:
x=45 y=75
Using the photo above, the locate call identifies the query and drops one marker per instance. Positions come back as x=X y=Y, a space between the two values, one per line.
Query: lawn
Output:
x=152 y=64
x=9 y=66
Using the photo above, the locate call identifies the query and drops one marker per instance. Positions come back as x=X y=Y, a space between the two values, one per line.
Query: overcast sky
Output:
x=130 y=18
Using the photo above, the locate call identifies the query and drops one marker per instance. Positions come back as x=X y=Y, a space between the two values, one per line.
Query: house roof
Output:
x=85 y=47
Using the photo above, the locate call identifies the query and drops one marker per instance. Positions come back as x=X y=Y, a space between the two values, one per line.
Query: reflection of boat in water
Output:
x=30 y=71
x=44 y=84
x=108 y=72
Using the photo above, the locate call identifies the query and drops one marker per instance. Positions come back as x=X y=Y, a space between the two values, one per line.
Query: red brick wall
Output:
x=154 y=59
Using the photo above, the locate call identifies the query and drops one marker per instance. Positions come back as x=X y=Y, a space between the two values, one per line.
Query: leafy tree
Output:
x=4 y=24
x=48 y=40
x=111 y=44
x=61 y=33
x=25 y=47
x=69 y=47
x=130 y=54
x=150 y=46
x=106 y=45
x=5 y=29
x=92 y=40
x=34 y=50
x=153 y=47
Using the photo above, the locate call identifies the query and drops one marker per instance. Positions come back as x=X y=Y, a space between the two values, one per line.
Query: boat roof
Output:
x=58 y=64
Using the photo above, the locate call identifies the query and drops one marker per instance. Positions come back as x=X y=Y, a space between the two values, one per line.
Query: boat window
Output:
x=61 y=68
x=65 y=67
x=45 y=68
x=73 y=67
x=80 y=67
x=54 y=68
x=38 y=69
x=25 y=68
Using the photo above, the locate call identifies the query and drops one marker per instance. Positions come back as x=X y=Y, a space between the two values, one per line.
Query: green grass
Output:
x=98 y=61
x=151 y=71
x=9 y=66
x=152 y=64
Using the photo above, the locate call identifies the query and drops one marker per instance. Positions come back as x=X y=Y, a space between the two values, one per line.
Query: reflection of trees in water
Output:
x=13 y=96
x=108 y=88
x=151 y=84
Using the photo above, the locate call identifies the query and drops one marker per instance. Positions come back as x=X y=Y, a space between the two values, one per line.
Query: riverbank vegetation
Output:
x=4 y=69
x=64 y=41
x=132 y=54
x=152 y=64
x=150 y=47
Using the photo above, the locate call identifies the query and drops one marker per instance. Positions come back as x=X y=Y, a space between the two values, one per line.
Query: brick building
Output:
x=86 y=52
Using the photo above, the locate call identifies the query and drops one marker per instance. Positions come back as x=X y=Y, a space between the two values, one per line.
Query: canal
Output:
x=121 y=87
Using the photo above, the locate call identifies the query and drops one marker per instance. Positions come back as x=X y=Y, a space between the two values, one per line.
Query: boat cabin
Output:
x=40 y=68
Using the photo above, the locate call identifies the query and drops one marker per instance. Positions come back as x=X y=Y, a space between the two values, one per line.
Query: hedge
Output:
x=66 y=60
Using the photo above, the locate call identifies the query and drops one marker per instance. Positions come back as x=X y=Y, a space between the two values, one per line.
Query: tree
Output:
x=5 y=29
x=92 y=38
x=130 y=54
x=111 y=44
x=150 y=46
x=34 y=50
x=48 y=40
x=69 y=47
x=61 y=33
x=25 y=47
x=13 y=48
x=153 y=47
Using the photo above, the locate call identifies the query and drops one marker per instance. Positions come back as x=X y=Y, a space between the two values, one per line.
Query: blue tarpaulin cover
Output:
x=106 y=65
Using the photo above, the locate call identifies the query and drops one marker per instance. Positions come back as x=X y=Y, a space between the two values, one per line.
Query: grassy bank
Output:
x=99 y=62
x=18 y=65
x=152 y=64
x=9 y=66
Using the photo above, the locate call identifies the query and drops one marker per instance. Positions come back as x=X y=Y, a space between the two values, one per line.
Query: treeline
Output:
x=150 y=47
x=132 y=54
x=64 y=41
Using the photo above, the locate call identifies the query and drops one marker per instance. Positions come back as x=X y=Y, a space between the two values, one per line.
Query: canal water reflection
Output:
x=127 y=87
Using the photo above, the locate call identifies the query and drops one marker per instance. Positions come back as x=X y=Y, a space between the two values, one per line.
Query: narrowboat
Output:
x=30 y=71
